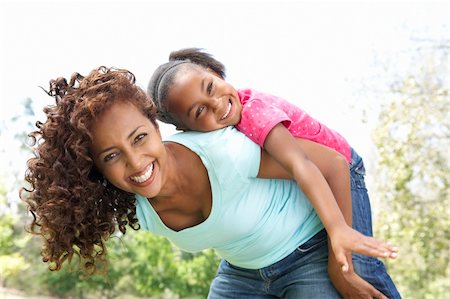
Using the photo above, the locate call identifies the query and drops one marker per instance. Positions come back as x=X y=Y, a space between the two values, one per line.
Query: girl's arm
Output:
x=290 y=154
x=323 y=175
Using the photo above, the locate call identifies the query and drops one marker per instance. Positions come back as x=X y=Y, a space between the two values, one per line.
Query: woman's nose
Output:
x=134 y=162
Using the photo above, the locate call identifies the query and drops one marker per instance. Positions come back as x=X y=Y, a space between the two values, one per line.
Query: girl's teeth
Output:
x=228 y=111
x=144 y=177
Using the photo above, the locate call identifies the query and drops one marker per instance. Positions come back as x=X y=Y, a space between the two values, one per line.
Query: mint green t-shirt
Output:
x=253 y=222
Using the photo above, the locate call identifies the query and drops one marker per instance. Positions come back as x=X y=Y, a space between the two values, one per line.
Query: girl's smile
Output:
x=203 y=101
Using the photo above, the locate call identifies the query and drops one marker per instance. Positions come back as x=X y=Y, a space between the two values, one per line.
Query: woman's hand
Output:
x=349 y=284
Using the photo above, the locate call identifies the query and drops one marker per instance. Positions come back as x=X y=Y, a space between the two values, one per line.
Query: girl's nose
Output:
x=215 y=102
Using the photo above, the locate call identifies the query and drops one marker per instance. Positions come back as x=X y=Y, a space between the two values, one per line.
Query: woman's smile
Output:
x=128 y=149
x=143 y=178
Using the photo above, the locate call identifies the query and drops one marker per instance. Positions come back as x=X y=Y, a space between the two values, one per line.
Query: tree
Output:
x=156 y=266
x=11 y=261
x=413 y=140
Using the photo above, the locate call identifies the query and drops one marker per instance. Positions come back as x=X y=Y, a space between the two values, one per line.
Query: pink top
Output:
x=261 y=112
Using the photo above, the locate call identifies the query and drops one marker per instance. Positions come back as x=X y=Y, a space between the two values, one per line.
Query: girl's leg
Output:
x=369 y=268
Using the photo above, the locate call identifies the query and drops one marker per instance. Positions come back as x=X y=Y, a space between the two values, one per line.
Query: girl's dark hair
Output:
x=74 y=209
x=164 y=76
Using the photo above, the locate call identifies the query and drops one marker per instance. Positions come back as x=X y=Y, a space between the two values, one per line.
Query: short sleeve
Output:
x=226 y=152
x=258 y=118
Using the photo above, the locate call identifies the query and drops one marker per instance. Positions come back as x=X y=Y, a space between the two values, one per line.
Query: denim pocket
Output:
x=360 y=169
x=357 y=164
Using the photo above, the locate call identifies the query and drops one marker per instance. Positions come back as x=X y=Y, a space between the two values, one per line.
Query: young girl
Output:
x=190 y=93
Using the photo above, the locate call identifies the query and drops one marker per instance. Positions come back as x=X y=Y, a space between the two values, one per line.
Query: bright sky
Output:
x=314 y=53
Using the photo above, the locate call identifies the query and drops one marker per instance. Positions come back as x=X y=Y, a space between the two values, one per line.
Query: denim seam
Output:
x=267 y=281
x=311 y=247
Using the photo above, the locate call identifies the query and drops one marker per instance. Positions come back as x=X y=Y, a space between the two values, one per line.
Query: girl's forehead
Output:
x=192 y=68
x=187 y=72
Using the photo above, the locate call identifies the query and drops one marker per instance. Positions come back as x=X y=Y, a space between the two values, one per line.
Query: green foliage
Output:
x=157 y=267
x=197 y=271
x=413 y=139
x=153 y=264
x=140 y=265
x=6 y=235
x=11 y=262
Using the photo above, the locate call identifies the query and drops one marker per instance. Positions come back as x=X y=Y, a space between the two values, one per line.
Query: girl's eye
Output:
x=139 y=137
x=109 y=157
x=199 y=111
x=209 y=88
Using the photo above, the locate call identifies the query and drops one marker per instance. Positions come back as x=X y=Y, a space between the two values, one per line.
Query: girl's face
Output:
x=203 y=101
x=128 y=151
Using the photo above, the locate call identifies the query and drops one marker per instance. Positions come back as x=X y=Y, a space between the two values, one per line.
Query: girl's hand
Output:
x=346 y=240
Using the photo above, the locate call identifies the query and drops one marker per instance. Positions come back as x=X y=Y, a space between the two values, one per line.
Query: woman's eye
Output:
x=109 y=157
x=209 y=88
x=139 y=137
x=199 y=111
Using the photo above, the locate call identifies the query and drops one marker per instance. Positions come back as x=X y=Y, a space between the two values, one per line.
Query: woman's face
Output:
x=128 y=151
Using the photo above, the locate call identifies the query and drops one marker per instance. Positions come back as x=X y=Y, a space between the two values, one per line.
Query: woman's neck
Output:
x=186 y=199
x=184 y=174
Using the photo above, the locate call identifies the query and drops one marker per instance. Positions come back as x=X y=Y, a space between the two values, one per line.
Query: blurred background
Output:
x=376 y=71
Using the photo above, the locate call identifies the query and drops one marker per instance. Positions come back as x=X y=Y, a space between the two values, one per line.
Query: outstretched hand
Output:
x=347 y=240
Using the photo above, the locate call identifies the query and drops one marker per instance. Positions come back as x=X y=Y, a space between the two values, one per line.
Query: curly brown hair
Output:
x=74 y=209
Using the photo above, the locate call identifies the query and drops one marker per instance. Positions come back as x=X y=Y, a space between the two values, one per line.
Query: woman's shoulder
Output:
x=221 y=148
x=205 y=139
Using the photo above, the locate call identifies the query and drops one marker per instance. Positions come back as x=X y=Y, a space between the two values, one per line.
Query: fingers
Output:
x=374 y=293
x=359 y=288
x=394 y=251
x=379 y=295
x=373 y=247
x=342 y=261
x=354 y=241
x=379 y=249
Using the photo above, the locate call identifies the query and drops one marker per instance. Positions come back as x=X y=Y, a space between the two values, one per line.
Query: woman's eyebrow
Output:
x=129 y=136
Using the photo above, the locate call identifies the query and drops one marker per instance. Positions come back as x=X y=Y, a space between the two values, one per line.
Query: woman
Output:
x=100 y=159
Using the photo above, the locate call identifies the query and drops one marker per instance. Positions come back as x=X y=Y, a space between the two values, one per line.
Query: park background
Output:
x=376 y=71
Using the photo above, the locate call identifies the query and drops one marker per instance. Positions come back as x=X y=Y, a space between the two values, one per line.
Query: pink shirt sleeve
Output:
x=258 y=118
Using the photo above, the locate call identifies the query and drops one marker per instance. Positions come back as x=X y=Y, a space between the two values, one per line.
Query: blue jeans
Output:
x=369 y=268
x=302 y=274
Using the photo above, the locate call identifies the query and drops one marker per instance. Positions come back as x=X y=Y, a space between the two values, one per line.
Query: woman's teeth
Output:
x=144 y=177
x=227 y=112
